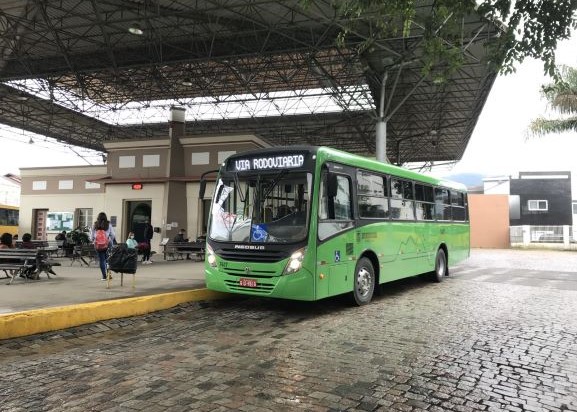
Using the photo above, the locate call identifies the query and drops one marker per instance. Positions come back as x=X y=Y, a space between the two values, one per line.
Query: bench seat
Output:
x=179 y=250
x=17 y=262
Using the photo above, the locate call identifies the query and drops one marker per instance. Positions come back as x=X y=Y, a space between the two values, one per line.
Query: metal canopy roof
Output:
x=71 y=70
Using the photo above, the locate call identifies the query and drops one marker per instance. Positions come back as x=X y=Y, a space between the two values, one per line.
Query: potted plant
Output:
x=78 y=237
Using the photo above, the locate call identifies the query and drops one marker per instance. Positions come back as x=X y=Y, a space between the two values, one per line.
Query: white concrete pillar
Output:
x=526 y=235
x=566 y=237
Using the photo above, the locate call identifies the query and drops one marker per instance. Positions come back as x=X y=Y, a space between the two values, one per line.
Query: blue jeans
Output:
x=146 y=251
x=102 y=260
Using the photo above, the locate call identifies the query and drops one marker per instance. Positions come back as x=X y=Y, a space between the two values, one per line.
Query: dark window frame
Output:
x=424 y=201
x=403 y=199
x=385 y=196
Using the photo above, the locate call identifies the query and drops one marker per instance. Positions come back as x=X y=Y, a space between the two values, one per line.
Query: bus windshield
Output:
x=261 y=208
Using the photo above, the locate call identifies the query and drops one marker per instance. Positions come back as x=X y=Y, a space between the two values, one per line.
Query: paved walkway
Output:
x=80 y=284
x=76 y=284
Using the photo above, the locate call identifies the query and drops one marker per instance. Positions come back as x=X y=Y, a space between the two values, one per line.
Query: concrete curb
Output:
x=13 y=325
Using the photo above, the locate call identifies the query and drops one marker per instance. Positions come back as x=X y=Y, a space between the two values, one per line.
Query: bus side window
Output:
x=335 y=205
x=335 y=212
x=342 y=200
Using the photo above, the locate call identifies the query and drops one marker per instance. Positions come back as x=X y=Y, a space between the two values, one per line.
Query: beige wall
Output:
x=56 y=203
x=118 y=194
x=489 y=216
x=54 y=199
x=78 y=175
x=115 y=190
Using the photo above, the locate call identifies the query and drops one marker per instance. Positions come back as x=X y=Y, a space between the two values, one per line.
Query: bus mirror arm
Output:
x=202 y=188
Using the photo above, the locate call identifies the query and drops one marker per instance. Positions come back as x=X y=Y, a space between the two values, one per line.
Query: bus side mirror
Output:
x=332 y=185
x=202 y=189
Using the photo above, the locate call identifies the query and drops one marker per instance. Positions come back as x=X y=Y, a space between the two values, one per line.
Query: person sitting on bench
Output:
x=179 y=238
x=27 y=242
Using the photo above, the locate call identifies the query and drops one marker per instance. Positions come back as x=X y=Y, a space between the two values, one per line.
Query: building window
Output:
x=202 y=158
x=151 y=160
x=83 y=218
x=126 y=162
x=538 y=205
x=222 y=156
x=39 y=185
x=90 y=185
x=65 y=184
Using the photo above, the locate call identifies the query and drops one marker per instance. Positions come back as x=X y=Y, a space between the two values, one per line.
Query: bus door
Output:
x=335 y=251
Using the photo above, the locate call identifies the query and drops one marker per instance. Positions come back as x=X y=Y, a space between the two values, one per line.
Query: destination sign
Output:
x=268 y=163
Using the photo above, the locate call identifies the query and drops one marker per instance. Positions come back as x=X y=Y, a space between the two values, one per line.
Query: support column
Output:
x=175 y=200
x=381 y=126
x=381 y=142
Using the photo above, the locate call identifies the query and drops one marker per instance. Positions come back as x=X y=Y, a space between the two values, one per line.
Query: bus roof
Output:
x=330 y=154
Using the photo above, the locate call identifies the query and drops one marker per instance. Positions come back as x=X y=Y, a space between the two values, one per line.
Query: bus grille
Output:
x=268 y=256
x=261 y=274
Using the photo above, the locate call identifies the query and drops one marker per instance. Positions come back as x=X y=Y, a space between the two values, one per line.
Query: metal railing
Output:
x=552 y=237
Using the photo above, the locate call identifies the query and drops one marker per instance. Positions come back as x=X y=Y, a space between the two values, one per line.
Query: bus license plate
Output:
x=247 y=283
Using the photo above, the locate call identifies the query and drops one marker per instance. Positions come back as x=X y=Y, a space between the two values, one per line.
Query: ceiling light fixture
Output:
x=136 y=29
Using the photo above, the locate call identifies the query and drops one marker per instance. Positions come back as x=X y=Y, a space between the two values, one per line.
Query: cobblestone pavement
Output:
x=486 y=339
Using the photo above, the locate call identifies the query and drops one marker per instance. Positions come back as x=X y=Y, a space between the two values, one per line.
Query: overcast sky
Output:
x=499 y=144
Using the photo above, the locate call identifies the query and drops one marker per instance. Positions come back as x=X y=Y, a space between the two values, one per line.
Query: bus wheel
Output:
x=440 y=267
x=364 y=282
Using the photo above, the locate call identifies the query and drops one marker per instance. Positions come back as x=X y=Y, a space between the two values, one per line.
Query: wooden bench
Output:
x=27 y=263
x=50 y=246
x=83 y=254
x=179 y=250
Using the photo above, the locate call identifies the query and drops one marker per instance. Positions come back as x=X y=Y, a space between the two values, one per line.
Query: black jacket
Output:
x=148 y=231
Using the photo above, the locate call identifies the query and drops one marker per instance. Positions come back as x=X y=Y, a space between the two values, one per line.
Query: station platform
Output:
x=77 y=295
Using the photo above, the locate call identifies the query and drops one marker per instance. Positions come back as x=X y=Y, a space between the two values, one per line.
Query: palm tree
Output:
x=562 y=96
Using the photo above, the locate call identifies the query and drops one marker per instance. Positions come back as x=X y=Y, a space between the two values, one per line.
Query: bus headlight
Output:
x=210 y=256
x=295 y=262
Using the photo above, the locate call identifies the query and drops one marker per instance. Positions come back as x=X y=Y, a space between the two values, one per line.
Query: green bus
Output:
x=307 y=223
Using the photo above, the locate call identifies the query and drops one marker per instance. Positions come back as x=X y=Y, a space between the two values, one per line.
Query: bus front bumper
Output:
x=298 y=286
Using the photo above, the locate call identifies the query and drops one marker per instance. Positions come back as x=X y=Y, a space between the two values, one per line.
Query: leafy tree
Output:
x=562 y=96
x=532 y=28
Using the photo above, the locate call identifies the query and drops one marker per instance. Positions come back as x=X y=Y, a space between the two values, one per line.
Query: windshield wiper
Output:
x=275 y=181
x=241 y=195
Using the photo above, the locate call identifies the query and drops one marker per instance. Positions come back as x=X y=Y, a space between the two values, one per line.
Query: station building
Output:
x=156 y=180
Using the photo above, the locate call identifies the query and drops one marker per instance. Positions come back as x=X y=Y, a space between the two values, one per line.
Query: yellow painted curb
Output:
x=13 y=325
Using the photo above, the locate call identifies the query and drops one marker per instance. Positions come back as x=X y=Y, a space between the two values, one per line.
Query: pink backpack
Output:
x=101 y=240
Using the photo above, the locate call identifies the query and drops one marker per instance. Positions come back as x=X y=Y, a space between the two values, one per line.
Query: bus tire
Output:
x=364 y=282
x=441 y=268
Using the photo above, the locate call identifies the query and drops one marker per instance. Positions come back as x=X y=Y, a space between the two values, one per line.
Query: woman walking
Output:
x=102 y=235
